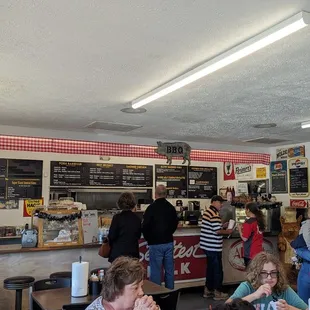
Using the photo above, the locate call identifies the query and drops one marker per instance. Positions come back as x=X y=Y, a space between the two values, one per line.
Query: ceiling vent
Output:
x=267 y=141
x=112 y=126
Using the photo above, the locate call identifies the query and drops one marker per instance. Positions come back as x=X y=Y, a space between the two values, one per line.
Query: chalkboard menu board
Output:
x=202 y=182
x=72 y=174
x=298 y=177
x=278 y=176
x=20 y=178
x=174 y=178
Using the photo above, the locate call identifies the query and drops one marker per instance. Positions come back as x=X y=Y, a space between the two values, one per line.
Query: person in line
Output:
x=236 y=304
x=211 y=241
x=125 y=230
x=302 y=248
x=122 y=288
x=267 y=285
x=251 y=232
x=160 y=221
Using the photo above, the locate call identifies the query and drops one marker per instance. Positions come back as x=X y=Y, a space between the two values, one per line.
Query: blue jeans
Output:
x=214 y=278
x=162 y=255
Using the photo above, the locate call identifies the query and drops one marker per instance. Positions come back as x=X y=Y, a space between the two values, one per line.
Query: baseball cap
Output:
x=217 y=198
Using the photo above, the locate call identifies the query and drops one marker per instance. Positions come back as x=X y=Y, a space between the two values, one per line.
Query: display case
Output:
x=59 y=228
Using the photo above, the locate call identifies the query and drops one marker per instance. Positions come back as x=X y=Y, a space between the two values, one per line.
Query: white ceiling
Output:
x=65 y=64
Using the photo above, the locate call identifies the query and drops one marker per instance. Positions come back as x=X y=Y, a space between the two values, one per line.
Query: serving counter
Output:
x=190 y=261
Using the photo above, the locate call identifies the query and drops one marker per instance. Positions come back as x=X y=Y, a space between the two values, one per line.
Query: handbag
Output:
x=105 y=249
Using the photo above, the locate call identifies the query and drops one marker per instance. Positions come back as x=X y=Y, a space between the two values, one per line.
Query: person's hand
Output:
x=145 y=303
x=225 y=225
x=229 y=231
x=281 y=304
x=263 y=291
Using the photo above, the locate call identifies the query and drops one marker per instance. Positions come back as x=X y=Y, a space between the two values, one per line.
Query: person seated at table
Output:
x=236 y=304
x=122 y=288
x=266 y=285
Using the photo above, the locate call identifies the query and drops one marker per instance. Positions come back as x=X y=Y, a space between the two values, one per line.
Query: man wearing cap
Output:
x=211 y=241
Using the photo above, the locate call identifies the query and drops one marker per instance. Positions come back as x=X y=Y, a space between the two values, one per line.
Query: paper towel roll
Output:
x=79 y=285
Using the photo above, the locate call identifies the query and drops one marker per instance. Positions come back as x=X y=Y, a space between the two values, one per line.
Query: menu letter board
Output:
x=202 y=182
x=298 y=176
x=174 y=178
x=278 y=177
x=20 y=178
x=71 y=174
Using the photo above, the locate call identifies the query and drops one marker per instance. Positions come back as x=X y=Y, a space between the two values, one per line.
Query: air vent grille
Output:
x=112 y=126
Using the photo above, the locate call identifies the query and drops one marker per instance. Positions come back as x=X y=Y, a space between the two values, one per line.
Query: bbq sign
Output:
x=189 y=259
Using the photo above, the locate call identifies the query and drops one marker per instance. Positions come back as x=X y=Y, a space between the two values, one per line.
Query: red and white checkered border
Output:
x=33 y=144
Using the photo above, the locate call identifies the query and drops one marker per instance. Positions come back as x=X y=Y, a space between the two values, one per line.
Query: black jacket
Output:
x=124 y=235
x=159 y=222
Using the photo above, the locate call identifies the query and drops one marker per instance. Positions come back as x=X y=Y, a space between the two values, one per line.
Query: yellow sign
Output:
x=30 y=205
x=261 y=173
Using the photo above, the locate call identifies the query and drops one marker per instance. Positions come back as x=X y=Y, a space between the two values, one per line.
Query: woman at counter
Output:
x=266 y=286
x=125 y=229
x=251 y=232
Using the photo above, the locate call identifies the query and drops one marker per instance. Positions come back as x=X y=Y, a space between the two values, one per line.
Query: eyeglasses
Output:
x=273 y=274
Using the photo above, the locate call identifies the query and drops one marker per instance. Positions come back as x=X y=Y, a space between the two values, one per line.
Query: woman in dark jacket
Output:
x=125 y=230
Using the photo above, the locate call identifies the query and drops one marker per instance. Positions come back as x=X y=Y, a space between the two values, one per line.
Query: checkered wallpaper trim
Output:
x=32 y=144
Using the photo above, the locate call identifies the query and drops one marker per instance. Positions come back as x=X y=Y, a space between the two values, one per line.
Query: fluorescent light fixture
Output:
x=240 y=51
x=305 y=125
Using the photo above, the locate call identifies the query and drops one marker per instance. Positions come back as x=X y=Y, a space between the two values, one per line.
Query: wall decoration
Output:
x=229 y=171
x=278 y=177
x=261 y=173
x=244 y=172
x=174 y=149
x=296 y=151
x=298 y=177
x=30 y=205
x=8 y=204
x=298 y=203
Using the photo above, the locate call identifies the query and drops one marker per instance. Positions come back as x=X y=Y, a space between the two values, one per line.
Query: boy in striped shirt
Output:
x=211 y=241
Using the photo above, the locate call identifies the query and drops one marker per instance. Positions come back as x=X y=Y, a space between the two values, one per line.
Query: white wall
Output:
x=15 y=217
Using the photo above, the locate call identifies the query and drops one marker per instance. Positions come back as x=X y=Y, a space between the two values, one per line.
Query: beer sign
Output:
x=244 y=172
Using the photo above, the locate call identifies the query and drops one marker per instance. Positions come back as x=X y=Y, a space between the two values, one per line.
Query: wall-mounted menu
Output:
x=298 y=177
x=202 y=182
x=20 y=178
x=174 y=178
x=72 y=174
x=278 y=177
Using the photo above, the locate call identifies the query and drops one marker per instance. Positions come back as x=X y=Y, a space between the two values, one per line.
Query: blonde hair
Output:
x=256 y=266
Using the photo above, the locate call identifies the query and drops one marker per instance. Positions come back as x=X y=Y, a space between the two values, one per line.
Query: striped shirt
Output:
x=211 y=223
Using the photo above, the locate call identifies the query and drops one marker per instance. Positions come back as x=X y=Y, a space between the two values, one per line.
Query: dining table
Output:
x=54 y=299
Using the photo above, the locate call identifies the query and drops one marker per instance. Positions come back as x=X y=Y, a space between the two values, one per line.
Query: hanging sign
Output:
x=229 y=172
x=244 y=172
x=296 y=151
x=30 y=205
x=261 y=173
x=298 y=177
x=174 y=149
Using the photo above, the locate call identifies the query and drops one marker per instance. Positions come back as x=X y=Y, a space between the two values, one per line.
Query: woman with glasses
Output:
x=266 y=286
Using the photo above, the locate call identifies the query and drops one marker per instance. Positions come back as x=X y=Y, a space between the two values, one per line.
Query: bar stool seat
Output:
x=18 y=284
x=61 y=274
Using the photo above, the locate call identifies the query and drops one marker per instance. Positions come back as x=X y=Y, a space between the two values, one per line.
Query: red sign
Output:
x=189 y=259
x=235 y=254
x=229 y=171
x=298 y=203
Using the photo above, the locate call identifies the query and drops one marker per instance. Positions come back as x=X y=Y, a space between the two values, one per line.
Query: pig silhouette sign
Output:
x=174 y=149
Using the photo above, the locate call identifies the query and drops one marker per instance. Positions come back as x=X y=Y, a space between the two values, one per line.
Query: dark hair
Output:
x=253 y=208
x=123 y=271
x=236 y=304
x=126 y=201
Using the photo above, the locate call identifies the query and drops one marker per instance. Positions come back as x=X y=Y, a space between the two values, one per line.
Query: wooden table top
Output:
x=55 y=299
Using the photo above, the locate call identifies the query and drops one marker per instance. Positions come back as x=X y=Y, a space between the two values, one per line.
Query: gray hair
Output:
x=161 y=191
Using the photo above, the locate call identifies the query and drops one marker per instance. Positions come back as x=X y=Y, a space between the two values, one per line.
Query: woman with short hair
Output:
x=267 y=285
x=122 y=288
x=125 y=230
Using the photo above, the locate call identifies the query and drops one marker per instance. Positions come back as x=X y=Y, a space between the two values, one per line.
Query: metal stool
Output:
x=61 y=274
x=18 y=284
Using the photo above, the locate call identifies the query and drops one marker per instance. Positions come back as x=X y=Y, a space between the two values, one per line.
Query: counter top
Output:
x=16 y=248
